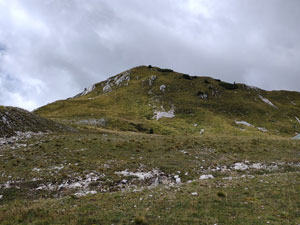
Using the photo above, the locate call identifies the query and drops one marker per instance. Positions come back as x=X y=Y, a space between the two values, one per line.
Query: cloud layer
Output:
x=52 y=49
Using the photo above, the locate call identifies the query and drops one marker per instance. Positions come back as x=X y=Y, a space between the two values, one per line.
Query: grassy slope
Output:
x=252 y=196
x=127 y=106
x=270 y=195
x=15 y=119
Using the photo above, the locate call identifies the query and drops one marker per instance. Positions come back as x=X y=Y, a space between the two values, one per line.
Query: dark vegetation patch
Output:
x=202 y=95
x=188 y=77
x=228 y=86
x=139 y=127
x=164 y=70
x=185 y=111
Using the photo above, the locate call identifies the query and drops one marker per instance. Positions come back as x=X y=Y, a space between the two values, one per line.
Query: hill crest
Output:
x=147 y=98
x=14 y=121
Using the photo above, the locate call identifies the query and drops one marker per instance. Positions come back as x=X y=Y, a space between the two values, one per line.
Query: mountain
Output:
x=154 y=100
x=14 y=120
x=225 y=157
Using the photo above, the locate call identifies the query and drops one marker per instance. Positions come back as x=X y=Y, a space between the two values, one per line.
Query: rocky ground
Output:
x=95 y=162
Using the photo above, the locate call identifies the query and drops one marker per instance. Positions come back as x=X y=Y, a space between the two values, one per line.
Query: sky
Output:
x=53 y=49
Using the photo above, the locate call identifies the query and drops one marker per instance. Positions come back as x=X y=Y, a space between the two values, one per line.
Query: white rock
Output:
x=158 y=115
x=107 y=88
x=139 y=175
x=162 y=88
x=81 y=194
x=4 y=119
x=156 y=182
x=58 y=167
x=240 y=166
x=88 y=90
x=267 y=101
x=257 y=166
x=123 y=77
x=36 y=169
x=262 y=129
x=195 y=194
x=151 y=80
x=178 y=180
x=205 y=177
x=243 y=123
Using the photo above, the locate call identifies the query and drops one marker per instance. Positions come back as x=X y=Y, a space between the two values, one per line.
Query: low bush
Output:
x=165 y=70
x=228 y=86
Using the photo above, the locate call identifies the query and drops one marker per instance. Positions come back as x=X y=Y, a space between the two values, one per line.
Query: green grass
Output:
x=216 y=114
x=269 y=196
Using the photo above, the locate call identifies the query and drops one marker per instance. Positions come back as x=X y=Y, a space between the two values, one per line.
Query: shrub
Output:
x=140 y=220
x=228 y=86
x=165 y=70
x=221 y=194
x=200 y=93
x=186 y=76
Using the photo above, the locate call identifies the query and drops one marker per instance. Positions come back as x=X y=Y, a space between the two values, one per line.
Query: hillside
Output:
x=14 y=120
x=151 y=99
x=153 y=146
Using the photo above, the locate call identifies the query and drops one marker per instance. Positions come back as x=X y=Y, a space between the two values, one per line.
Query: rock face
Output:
x=152 y=79
x=118 y=81
x=86 y=91
x=14 y=120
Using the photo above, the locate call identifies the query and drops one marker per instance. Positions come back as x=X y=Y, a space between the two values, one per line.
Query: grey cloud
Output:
x=55 y=48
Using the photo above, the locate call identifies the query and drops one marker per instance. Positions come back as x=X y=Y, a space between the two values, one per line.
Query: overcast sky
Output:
x=52 y=49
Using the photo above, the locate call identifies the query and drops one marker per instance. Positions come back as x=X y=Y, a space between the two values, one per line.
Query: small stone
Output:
x=162 y=88
x=205 y=177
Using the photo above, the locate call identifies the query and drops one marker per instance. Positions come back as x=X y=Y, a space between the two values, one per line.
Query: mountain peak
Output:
x=148 y=98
